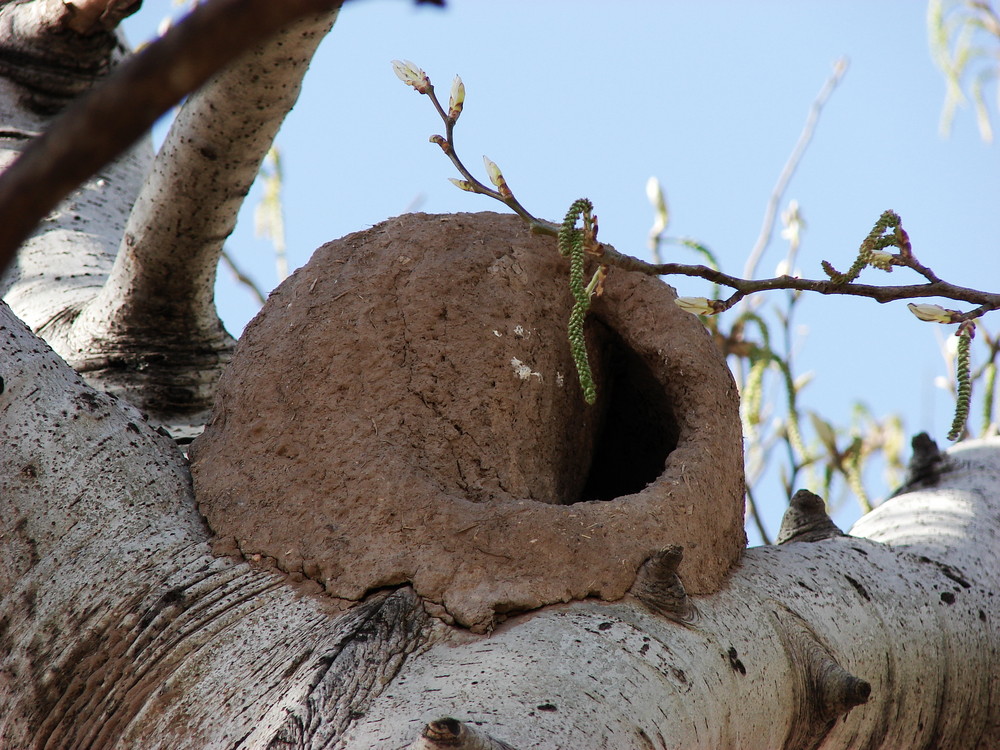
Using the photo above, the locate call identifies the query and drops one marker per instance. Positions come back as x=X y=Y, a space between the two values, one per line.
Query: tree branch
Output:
x=881 y=294
x=94 y=130
x=805 y=137
x=152 y=333
x=887 y=232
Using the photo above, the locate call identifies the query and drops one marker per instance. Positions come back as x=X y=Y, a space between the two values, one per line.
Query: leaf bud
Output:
x=412 y=75
x=696 y=305
x=930 y=313
x=457 y=99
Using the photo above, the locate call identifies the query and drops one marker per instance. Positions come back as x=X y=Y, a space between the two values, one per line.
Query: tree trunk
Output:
x=121 y=628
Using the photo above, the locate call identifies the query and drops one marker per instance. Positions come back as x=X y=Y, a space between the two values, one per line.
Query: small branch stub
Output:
x=926 y=465
x=659 y=587
x=806 y=520
x=826 y=690
x=455 y=735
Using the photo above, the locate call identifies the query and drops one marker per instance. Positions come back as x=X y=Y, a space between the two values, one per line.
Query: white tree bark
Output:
x=120 y=628
x=159 y=298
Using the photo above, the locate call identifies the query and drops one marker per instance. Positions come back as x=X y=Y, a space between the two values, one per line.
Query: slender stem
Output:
x=757 y=520
x=839 y=68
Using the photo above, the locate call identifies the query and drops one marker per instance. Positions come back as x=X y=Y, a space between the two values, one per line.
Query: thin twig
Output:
x=874 y=245
x=242 y=278
x=767 y=229
x=987 y=300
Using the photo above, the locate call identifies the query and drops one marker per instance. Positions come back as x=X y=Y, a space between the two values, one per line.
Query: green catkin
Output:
x=964 y=377
x=876 y=240
x=571 y=245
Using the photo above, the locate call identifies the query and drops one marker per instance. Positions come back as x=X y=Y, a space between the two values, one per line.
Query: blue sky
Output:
x=592 y=98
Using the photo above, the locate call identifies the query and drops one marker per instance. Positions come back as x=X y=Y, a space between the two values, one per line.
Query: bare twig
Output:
x=872 y=249
x=987 y=300
x=766 y=230
x=242 y=278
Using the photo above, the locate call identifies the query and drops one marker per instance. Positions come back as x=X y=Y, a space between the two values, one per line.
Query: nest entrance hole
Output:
x=638 y=427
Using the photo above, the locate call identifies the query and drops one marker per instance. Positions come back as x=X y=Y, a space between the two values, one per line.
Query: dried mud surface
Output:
x=405 y=409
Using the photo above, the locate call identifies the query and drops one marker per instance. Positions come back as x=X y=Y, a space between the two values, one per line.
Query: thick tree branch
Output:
x=99 y=127
x=152 y=333
x=885 y=641
x=119 y=626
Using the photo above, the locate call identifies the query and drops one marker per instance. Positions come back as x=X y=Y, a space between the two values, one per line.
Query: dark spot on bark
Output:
x=860 y=551
x=170 y=598
x=604 y=626
x=28 y=598
x=679 y=675
x=30 y=471
x=982 y=616
x=132 y=427
x=948 y=598
x=208 y=152
x=735 y=663
x=1 y=385
x=547 y=707
x=88 y=401
x=859 y=588
x=947 y=571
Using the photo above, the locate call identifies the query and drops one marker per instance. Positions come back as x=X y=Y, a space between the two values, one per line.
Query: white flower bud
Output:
x=496 y=176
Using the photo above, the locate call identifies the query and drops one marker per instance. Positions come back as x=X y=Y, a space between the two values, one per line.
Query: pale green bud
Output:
x=412 y=75
x=496 y=176
x=457 y=98
x=696 y=305
x=881 y=260
x=930 y=313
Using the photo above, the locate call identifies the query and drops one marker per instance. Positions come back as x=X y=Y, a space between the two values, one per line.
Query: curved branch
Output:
x=987 y=300
x=94 y=130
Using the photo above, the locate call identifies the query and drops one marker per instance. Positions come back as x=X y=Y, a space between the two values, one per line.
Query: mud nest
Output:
x=405 y=410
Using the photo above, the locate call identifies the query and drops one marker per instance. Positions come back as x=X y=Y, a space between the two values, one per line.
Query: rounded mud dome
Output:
x=405 y=409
